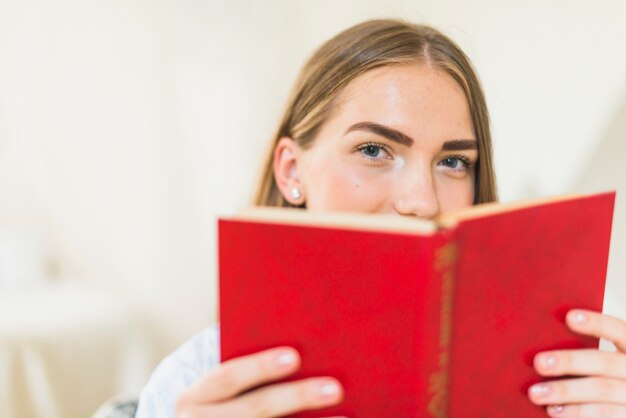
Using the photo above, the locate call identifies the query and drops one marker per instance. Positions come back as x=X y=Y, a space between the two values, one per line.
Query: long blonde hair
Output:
x=361 y=48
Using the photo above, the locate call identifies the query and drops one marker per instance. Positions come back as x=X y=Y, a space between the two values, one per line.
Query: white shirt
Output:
x=176 y=372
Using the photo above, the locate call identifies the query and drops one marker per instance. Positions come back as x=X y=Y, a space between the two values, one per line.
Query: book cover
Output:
x=415 y=318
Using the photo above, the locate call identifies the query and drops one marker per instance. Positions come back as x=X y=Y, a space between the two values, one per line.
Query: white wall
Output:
x=605 y=170
x=127 y=126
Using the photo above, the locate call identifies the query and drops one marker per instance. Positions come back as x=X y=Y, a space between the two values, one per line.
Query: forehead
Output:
x=415 y=97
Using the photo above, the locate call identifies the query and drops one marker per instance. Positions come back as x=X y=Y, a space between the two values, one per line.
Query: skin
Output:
x=600 y=389
x=355 y=165
x=420 y=180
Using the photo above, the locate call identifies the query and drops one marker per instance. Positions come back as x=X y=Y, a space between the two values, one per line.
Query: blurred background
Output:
x=128 y=126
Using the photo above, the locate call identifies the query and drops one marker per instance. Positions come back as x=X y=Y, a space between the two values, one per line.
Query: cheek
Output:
x=341 y=186
x=455 y=194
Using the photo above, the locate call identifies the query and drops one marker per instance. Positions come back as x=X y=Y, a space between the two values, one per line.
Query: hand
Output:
x=222 y=392
x=600 y=391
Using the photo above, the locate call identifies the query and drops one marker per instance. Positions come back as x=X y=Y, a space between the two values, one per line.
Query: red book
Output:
x=415 y=318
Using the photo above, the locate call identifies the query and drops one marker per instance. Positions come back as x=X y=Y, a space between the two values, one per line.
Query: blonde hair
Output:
x=361 y=48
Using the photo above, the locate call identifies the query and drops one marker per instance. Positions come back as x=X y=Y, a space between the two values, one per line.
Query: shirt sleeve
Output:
x=177 y=372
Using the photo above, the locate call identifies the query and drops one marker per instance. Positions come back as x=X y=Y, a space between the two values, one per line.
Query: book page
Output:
x=344 y=220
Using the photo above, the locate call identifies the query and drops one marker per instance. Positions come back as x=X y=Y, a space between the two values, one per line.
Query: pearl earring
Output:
x=295 y=193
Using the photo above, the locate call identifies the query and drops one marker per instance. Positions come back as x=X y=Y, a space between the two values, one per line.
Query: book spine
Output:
x=438 y=383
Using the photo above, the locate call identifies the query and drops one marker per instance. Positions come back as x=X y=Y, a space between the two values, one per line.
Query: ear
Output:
x=286 y=156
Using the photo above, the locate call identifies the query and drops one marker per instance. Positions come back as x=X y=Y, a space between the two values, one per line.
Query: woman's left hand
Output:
x=600 y=391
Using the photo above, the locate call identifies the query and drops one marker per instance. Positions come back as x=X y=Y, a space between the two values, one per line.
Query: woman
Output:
x=387 y=117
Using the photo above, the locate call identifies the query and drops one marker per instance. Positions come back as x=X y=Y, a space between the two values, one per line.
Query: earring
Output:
x=295 y=193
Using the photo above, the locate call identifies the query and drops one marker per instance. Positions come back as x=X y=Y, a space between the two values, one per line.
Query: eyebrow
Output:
x=460 y=145
x=397 y=136
x=382 y=130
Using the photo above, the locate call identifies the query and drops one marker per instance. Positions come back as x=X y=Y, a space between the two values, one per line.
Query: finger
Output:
x=237 y=375
x=598 y=325
x=580 y=390
x=283 y=399
x=584 y=362
x=587 y=410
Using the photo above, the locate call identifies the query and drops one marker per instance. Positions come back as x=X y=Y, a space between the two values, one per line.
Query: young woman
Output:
x=387 y=117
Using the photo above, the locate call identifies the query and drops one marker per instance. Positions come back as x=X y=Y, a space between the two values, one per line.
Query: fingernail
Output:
x=286 y=359
x=580 y=317
x=540 y=391
x=329 y=390
x=547 y=361
x=555 y=409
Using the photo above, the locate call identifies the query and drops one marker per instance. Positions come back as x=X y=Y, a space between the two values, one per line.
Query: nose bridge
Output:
x=416 y=191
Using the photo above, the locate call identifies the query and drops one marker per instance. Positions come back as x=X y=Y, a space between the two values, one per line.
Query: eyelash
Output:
x=379 y=145
x=466 y=161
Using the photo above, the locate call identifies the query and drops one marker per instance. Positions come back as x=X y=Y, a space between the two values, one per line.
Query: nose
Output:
x=416 y=194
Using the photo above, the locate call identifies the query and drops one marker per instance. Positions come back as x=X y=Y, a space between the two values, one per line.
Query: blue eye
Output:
x=456 y=166
x=374 y=151
x=455 y=163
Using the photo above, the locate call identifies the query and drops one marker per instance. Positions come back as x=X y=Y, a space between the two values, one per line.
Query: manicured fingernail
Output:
x=547 y=361
x=540 y=391
x=329 y=390
x=285 y=359
x=580 y=317
x=555 y=409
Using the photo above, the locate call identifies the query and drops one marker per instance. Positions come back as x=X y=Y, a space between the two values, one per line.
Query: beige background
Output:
x=128 y=126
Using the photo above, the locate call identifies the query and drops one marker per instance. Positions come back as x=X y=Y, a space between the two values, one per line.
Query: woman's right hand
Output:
x=223 y=392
